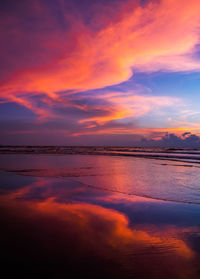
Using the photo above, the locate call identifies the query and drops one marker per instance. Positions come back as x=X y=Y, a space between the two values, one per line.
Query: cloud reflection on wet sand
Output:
x=46 y=234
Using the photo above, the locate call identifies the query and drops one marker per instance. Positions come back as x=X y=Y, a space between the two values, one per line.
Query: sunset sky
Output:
x=100 y=72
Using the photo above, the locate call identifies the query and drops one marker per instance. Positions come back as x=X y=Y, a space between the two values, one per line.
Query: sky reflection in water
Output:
x=56 y=225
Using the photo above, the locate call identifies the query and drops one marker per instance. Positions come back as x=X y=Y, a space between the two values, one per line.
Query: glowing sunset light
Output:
x=90 y=67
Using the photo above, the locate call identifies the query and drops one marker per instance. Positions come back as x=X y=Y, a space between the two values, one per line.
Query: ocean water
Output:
x=155 y=178
x=176 y=154
x=99 y=216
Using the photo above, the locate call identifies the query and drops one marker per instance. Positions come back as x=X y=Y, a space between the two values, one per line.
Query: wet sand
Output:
x=54 y=223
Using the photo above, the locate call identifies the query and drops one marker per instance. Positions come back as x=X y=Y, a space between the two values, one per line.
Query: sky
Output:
x=109 y=72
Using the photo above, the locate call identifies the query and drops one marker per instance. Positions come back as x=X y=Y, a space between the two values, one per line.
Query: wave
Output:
x=172 y=154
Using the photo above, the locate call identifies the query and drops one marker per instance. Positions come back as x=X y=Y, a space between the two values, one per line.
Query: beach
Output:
x=100 y=139
x=99 y=216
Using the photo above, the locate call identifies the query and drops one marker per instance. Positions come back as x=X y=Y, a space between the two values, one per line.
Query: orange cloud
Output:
x=151 y=37
x=30 y=105
x=129 y=105
x=137 y=131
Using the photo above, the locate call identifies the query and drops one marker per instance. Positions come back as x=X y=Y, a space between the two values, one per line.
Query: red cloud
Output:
x=151 y=37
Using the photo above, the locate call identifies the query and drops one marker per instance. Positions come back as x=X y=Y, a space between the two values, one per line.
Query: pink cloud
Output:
x=152 y=37
x=129 y=105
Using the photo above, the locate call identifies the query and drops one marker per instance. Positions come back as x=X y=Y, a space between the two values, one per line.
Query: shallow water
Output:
x=52 y=223
x=152 y=178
